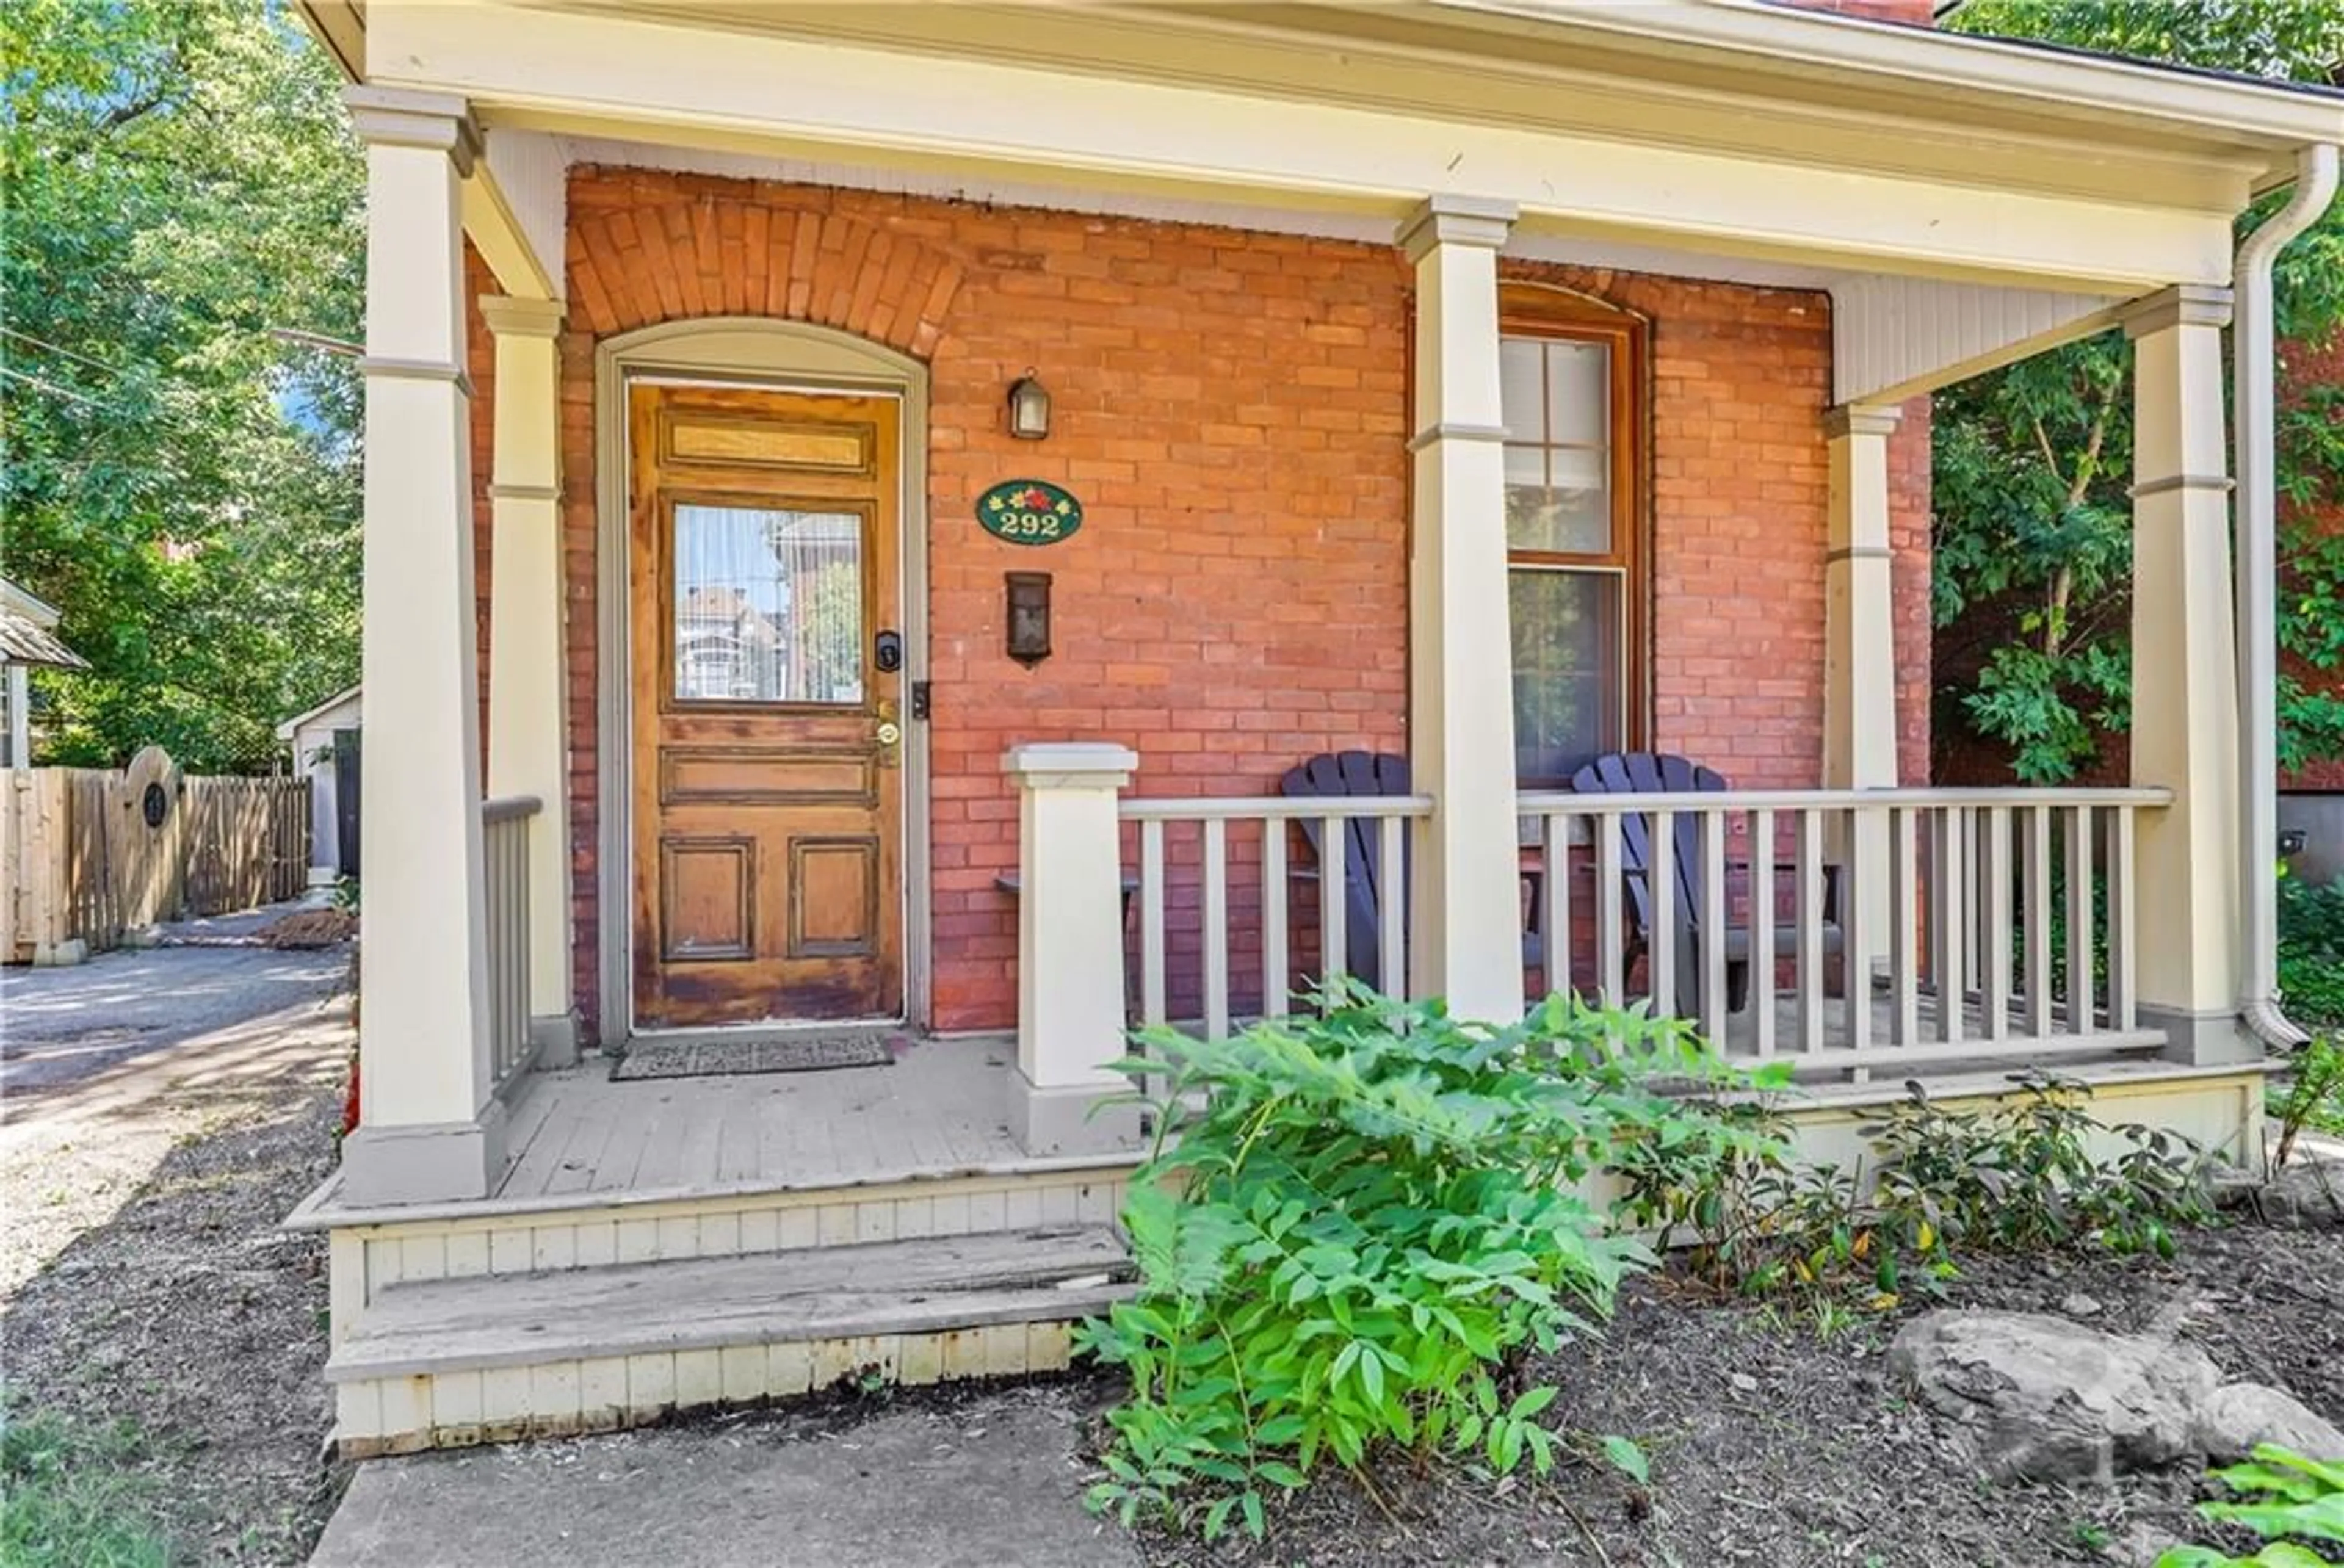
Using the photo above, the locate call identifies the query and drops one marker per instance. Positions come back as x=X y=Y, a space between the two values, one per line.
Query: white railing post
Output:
x=1465 y=906
x=428 y=1127
x=2185 y=712
x=1070 y=966
x=528 y=685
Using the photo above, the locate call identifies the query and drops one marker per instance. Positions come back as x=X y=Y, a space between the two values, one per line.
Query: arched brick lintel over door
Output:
x=716 y=255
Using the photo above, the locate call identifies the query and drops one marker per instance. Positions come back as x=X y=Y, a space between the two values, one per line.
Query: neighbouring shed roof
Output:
x=347 y=697
x=26 y=634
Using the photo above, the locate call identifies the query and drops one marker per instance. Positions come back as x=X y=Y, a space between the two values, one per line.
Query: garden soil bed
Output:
x=1777 y=1445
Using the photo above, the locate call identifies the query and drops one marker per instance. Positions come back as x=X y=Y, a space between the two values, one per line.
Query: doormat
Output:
x=783 y=1054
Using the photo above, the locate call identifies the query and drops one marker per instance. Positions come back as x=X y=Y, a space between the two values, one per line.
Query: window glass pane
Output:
x=1571 y=514
x=1520 y=379
x=768 y=605
x=1568 y=672
x=1579 y=376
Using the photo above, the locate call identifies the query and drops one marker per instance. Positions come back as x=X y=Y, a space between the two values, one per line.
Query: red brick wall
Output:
x=1909 y=539
x=1232 y=408
x=2305 y=365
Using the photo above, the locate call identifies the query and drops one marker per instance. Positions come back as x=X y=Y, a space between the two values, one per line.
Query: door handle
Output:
x=889 y=734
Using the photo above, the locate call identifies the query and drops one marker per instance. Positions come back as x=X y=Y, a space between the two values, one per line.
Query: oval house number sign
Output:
x=1029 y=511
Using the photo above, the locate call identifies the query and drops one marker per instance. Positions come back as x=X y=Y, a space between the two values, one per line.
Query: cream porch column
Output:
x=428 y=1127
x=527 y=737
x=1860 y=659
x=2184 y=716
x=1465 y=899
x=1070 y=985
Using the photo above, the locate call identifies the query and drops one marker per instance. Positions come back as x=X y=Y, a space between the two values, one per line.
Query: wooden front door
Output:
x=763 y=557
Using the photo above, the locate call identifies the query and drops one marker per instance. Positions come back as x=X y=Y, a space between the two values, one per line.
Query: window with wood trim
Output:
x=1572 y=374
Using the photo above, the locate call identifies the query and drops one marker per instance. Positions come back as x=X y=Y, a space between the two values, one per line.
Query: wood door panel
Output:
x=768 y=444
x=763 y=561
x=834 y=898
x=766 y=776
x=708 y=900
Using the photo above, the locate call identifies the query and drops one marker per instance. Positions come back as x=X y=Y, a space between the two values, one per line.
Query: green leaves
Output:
x=2290 y=1499
x=2022 y=1176
x=2031 y=526
x=1352 y=1220
x=180 y=482
x=1628 y=1459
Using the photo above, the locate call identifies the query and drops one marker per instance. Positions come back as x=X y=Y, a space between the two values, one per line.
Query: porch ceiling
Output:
x=1688 y=126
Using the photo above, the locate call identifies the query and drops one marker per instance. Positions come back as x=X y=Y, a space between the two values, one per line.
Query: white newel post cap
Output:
x=1070 y=764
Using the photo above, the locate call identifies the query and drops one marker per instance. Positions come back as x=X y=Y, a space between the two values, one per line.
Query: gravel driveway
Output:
x=63 y=1026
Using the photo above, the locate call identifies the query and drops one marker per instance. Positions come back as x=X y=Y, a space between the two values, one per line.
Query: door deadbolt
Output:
x=887 y=651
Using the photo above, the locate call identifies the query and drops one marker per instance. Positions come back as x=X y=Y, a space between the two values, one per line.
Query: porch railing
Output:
x=1186 y=850
x=1852 y=928
x=504 y=847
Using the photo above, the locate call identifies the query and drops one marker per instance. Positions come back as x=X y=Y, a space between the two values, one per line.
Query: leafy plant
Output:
x=2288 y=1499
x=1349 y=1227
x=2314 y=1095
x=2311 y=950
x=1722 y=1176
x=2022 y=1176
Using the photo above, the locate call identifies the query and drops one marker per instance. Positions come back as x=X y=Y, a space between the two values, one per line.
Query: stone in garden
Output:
x=2307 y=1194
x=1744 y=1381
x=2078 y=1305
x=2236 y=1417
x=2050 y=1400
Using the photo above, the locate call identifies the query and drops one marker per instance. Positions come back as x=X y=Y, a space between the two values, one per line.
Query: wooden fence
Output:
x=91 y=855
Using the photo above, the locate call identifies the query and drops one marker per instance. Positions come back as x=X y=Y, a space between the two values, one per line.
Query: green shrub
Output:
x=2313 y=1097
x=1750 y=1217
x=2019 y=1176
x=2311 y=951
x=2288 y=1500
x=1350 y=1226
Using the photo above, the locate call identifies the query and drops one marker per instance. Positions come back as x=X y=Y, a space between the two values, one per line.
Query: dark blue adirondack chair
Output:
x=1357 y=774
x=1662 y=772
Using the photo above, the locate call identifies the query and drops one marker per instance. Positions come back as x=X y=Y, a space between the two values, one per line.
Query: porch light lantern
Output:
x=1029 y=408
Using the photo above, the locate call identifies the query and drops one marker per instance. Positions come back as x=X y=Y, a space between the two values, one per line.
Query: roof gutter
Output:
x=2253 y=416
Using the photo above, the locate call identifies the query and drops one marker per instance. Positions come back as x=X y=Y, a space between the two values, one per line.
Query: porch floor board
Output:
x=940 y=1111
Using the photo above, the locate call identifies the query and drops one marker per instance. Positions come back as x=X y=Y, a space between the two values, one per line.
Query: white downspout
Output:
x=2257 y=511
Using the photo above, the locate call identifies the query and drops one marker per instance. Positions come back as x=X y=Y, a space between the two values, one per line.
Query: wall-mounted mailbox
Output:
x=1029 y=616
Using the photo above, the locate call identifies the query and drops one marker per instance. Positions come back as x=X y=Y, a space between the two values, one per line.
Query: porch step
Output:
x=495 y=1357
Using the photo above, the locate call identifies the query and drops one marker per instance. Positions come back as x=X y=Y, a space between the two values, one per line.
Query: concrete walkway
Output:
x=993 y=1482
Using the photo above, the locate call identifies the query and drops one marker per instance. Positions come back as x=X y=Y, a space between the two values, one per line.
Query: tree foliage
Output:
x=180 y=481
x=2033 y=528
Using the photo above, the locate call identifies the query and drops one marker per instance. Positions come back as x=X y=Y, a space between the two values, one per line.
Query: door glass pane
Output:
x=768 y=605
x=1567 y=696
